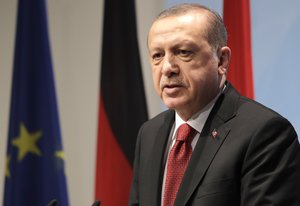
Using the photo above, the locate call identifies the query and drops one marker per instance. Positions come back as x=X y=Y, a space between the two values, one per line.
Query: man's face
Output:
x=185 y=68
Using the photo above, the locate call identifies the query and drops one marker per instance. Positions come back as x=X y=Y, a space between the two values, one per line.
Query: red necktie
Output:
x=177 y=162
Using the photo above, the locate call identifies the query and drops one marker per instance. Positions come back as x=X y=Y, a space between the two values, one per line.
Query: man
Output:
x=239 y=152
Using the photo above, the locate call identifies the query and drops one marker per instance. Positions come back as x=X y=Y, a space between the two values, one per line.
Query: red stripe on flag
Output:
x=112 y=186
x=238 y=24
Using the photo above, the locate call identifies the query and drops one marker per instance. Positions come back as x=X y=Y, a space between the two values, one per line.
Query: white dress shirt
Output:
x=197 y=122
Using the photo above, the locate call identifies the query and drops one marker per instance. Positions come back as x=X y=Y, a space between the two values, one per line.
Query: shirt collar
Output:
x=198 y=120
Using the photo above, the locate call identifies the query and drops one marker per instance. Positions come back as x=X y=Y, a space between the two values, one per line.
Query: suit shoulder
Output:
x=254 y=109
x=160 y=119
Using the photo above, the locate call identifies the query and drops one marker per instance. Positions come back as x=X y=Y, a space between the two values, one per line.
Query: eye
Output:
x=184 y=55
x=157 y=56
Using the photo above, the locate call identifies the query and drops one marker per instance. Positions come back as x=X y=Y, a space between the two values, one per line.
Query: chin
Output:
x=172 y=104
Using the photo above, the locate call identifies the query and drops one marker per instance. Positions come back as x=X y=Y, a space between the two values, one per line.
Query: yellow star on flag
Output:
x=27 y=142
x=60 y=154
x=7 y=171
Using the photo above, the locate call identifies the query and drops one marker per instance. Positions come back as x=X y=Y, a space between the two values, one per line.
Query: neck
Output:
x=186 y=114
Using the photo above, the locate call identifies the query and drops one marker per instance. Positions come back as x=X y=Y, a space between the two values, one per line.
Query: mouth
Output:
x=171 y=89
x=170 y=86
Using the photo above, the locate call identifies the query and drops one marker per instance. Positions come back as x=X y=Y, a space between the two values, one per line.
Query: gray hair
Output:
x=215 y=33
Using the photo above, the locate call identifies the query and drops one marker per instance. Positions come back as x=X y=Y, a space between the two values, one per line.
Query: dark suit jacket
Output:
x=254 y=160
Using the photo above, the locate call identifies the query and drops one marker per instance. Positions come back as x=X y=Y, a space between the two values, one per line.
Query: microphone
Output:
x=97 y=203
x=52 y=202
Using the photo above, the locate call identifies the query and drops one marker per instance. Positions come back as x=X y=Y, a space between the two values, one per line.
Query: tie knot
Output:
x=185 y=133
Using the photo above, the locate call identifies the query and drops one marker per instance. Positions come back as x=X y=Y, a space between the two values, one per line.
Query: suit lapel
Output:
x=156 y=164
x=209 y=142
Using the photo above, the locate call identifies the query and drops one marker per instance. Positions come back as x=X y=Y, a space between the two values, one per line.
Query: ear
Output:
x=224 y=54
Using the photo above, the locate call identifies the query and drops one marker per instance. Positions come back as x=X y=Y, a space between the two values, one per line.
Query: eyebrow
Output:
x=186 y=44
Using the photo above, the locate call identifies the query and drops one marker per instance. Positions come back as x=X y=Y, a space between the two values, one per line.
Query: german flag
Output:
x=122 y=107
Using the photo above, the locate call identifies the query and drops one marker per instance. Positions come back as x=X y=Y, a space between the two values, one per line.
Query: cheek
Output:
x=199 y=81
x=156 y=75
x=205 y=82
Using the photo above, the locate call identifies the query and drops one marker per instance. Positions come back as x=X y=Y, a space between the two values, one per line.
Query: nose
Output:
x=169 y=67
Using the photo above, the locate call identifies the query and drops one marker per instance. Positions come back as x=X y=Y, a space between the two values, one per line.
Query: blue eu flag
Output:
x=35 y=160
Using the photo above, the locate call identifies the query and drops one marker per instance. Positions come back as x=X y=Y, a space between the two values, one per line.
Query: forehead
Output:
x=190 y=25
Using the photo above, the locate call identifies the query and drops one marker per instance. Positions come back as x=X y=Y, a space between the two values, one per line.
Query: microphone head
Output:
x=52 y=202
x=96 y=203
